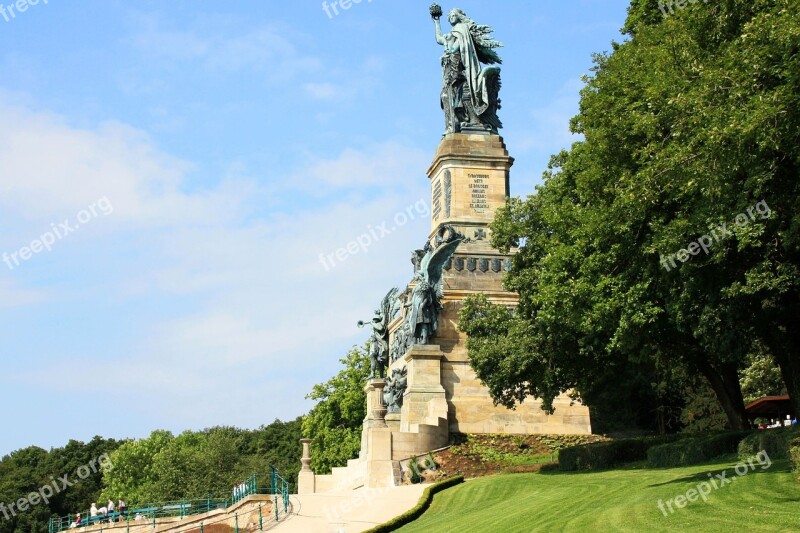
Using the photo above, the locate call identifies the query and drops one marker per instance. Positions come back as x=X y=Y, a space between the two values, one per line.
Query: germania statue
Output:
x=470 y=91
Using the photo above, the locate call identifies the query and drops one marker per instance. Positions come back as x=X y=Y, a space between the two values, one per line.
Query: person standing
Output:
x=122 y=507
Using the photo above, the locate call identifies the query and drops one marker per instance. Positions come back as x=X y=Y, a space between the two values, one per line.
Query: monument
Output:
x=431 y=390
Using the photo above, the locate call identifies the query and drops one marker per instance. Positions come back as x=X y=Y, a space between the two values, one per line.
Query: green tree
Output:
x=21 y=473
x=135 y=476
x=199 y=463
x=335 y=422
x=27 y=471
x=702 y=411
x=275 y=445
x=761 y=378
x=690 y=122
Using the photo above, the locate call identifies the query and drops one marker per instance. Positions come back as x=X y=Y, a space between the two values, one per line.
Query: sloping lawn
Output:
x=620 y=500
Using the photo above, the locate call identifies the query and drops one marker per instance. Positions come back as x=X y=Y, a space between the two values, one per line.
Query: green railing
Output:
x=248 y=488
x=152 y=512
x=280 y=492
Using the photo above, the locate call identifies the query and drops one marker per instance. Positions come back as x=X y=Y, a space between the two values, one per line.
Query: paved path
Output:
x=347 y=512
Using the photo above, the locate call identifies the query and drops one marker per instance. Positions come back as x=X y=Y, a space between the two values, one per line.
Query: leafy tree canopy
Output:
x=691 y=131
x=336 y=420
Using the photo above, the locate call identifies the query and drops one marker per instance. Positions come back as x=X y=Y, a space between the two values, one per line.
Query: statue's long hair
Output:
x=481 y=36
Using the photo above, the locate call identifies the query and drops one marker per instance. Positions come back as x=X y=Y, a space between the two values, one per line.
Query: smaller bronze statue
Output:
x=394 y=390
x=379 y=347
x=422 y=319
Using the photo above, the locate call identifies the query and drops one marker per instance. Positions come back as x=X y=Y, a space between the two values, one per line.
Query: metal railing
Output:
x=153 y=512
x=280 y=491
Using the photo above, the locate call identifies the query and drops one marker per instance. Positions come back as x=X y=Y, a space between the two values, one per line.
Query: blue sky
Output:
x=187 y=162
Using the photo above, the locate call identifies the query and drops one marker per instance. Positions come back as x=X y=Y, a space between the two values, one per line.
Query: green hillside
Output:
x=619 y=500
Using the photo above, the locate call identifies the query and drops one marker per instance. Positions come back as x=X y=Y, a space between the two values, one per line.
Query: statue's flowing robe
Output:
x=420 y=307
x=472 y=67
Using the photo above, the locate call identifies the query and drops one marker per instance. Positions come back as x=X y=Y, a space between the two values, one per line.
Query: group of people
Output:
x=778 y=423
x=107 y=511
x=239 y=491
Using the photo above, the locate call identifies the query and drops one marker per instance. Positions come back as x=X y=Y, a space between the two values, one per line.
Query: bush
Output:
x=775 y=442
x=695 y=449
x=794 y=455
x=415 y=474
x=422 y=506
x=602 y=455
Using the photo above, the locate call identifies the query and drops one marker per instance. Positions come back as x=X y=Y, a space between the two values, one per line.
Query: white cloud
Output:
x=12 y=296
x=265 y=312
x=352 y=83
x=223 y=46
x=389 y=164
x=550 y=131
x=52 y=170
x=322 y=91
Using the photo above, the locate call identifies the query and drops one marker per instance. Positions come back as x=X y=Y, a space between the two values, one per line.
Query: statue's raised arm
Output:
x=470 y=91
x=436 y=15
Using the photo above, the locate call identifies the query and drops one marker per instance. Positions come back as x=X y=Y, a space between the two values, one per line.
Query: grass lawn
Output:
x=618 y=500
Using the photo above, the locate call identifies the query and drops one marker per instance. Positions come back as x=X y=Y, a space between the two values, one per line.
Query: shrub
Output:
x=422 y=506
x=695 y=449
x=794 y=455
x=602 y=455
x=775 y=442
x=414 y=475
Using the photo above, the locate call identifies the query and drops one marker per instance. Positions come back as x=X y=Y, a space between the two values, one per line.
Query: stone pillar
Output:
x=425 y=395
x=305 y=460
x=376 y=411
x=379 y=438
x=306 y=480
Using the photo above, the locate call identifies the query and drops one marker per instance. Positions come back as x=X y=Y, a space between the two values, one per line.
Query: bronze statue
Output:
x=379 y=347
x=423 y=317
x=394 y=390
x=470 y=92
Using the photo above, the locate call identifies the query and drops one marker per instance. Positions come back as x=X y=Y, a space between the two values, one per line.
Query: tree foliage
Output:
x=335 y=422
x=27 y=470
x=163 y=467
x=761 y=378
x=692 y=121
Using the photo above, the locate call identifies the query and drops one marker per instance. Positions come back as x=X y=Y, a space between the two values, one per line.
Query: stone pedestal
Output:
x=393 y=421
x=306 y=480
x=376 y=411
x=378 y=438
x=379 y=460
x=469 y=182
x=424 y=397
